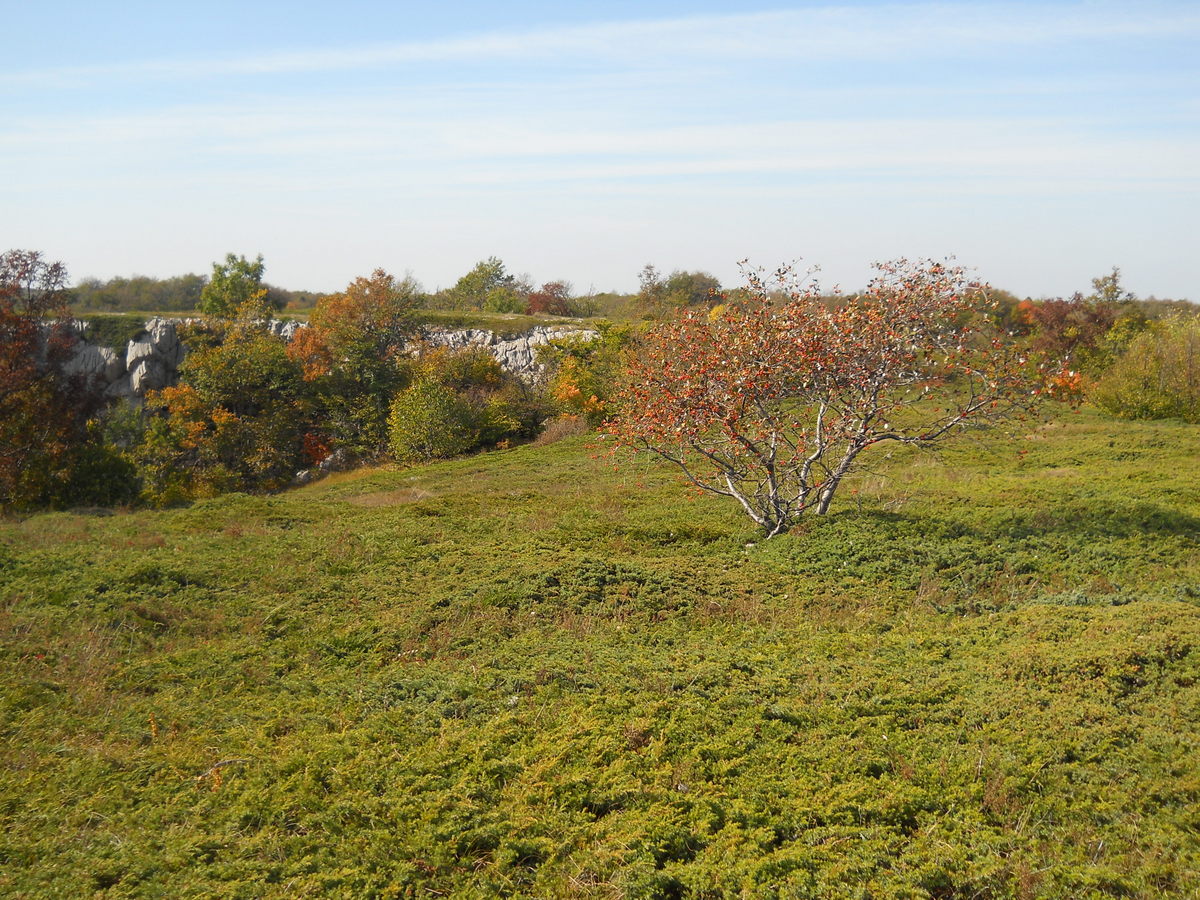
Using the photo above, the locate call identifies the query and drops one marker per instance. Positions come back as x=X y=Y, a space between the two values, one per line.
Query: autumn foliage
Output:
x=772 y=402
x=353 y=355
x=552 y=299
x=44 y=411
x=233 y=423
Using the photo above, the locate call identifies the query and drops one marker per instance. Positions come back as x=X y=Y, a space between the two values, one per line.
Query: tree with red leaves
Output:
x=43 y=411
x=772 y=401
x=552 y=299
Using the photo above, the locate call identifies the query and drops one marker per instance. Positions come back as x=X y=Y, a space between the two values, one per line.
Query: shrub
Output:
x=100 y=475
x=1158 y=377
x=431 y=421
x=584 y=374
x=471 y=368
x=772 y=404
x=235 y=422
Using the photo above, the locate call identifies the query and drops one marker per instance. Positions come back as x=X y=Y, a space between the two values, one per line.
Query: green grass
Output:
x=528 y=673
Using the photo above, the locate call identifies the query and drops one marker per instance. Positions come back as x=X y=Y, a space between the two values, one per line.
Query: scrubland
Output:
x=529 y=673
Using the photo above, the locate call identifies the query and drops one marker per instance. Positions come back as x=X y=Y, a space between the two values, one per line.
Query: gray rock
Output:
x=121 y=387
x=148 y=373
x=137 y=350
x=517 y=355
x=101 y=366
x=285 y=330
x=114 y=366
x=153 y=357
x=89 y=361
x=337 y=461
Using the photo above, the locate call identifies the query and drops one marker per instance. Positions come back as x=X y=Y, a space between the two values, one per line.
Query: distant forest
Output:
x=141 y=293
x=487 y=287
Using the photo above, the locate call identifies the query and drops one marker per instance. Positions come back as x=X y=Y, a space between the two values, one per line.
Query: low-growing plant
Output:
x=531 y=674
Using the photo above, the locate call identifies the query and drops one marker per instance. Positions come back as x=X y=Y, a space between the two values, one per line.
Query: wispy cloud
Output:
x=823 y=33
x=857 y=124
x=384 y=146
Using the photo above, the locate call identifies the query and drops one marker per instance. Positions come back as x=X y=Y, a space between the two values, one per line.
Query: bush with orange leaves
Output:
x=773 y=402
x=234 y=423
x=353 y=356
x=583 y=374
x=45 y=436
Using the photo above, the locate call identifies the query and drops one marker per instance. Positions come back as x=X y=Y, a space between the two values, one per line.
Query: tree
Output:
x=1108 y=289
x=660 y=296
x=488 y=279
x=1079 y=327
x=235 y=421
x=354 y=354
x=552 y=299
x=44 y=411
x=1158 y=376
x=683 y=289
x=771 y=404
x=232 y=283
x=139 y=293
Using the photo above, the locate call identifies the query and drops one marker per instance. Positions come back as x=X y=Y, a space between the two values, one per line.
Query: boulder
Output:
x=285 y=330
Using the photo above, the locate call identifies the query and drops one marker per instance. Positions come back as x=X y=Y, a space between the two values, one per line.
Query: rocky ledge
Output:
x=151 y=359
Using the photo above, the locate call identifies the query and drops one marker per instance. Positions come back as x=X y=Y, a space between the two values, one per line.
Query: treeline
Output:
x=180 y=294
x=251 y=410
x=487 y=287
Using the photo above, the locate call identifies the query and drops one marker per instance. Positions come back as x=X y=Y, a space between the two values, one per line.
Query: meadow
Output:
x=532 y=673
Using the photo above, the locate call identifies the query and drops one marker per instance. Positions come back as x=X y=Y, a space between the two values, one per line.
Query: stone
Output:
x=518 y=354
x=121 y=387
x=148 y=373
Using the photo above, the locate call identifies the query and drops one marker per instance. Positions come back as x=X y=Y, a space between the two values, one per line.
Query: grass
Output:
x=528 y=673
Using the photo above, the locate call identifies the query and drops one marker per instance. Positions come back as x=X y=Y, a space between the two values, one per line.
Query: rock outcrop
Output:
x=100 y=364
x=518 y=354
x=151 y=360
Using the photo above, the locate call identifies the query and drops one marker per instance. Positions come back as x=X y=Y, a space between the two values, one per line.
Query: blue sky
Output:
x=1041 y=143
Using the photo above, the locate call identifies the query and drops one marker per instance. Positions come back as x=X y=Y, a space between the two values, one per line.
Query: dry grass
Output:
x=560 y=427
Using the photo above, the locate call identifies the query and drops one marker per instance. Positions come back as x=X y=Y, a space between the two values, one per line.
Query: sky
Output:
x=1040 y=143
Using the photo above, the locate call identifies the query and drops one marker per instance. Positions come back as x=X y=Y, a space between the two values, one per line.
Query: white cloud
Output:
x=893 y=31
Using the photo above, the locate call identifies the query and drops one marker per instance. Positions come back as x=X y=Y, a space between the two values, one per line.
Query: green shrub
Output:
x=471 y=368
x=100 y=476
x=114 y=331
x=490 y=405
x=234 y=423
x=1158 y=377
x=431 y=421
x=584 y=374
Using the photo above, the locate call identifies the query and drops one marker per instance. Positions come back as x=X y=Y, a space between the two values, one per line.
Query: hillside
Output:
x=527 y=673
